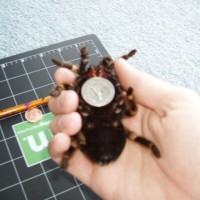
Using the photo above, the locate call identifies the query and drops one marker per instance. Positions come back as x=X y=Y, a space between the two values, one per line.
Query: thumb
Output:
x=149 y=91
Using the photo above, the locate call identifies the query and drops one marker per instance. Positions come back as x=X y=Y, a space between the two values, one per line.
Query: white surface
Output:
x=166 y=33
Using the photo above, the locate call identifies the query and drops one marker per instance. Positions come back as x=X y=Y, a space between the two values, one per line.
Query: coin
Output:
x=33 y=115
x=98 y=91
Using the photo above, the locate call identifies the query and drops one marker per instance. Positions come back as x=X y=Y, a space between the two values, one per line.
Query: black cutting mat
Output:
x=23 y=78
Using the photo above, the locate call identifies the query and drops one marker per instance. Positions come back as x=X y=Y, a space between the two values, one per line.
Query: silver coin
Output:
x=98 y=91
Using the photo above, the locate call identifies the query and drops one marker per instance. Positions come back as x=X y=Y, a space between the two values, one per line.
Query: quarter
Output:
x=98 y=91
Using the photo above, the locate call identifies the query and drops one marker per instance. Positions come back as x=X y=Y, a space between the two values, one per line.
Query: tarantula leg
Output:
x=118 y=106
x=66 y=157
x=70 y=66
x=131 y=106
x=76 y=141
x=62 y=64
x=58 y=88
x=84 y=59
x=107 y=65
x=144 y=142
x=107 y=61
x=84 y=53
x=130 y=54
x=147 y=143
x=129 y=91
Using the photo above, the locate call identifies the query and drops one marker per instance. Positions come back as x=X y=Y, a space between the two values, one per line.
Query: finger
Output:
x=149 y=91
x=66 y=102
x=64 y=76
x=59 y=144
x=69 y=124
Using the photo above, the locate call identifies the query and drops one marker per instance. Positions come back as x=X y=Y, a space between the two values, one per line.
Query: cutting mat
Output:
x=23 y=78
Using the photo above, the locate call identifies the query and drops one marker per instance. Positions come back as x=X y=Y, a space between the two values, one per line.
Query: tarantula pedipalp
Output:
x=102 y=105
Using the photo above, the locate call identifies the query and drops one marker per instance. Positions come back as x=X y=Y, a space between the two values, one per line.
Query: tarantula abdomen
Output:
x=104 y=143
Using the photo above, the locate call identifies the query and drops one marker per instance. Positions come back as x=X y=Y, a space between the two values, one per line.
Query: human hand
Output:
x=167 y=115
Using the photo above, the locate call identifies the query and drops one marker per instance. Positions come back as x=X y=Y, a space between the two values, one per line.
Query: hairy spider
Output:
x=102 y=105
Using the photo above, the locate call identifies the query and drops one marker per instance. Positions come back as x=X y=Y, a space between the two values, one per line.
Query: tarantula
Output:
x=102 y=105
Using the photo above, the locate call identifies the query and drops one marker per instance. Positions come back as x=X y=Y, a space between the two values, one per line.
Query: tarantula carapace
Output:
x=102 y=105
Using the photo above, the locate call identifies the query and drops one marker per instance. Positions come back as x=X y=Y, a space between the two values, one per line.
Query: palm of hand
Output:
x=168 y=116
x=169 y=177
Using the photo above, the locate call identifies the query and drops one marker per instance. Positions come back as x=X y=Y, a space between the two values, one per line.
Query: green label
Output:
x=33 y=139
